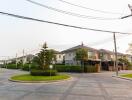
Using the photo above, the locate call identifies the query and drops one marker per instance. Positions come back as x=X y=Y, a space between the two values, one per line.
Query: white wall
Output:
x=59 y=58
x=70 y=56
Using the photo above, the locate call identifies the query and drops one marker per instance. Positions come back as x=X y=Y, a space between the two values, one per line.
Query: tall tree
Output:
x=82 y=55
x=45 y=57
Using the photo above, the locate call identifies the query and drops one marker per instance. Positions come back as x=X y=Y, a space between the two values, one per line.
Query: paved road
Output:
x=99 y=86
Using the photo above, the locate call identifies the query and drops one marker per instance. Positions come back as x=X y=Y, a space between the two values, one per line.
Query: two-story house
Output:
x=70 y=54
x=106 y=55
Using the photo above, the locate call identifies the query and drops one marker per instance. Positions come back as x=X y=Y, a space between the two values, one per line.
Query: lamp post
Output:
x=51 y=67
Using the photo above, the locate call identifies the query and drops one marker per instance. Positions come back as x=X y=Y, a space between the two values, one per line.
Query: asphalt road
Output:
x=99 y=86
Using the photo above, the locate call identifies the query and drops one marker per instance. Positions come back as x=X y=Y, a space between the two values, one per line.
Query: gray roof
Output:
x=56 y=52
x=106 y=51
x=79 y=47
x=110 y=52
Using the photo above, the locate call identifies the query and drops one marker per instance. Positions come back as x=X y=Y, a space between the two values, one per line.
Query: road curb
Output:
x=54 y=81
x=130 y=79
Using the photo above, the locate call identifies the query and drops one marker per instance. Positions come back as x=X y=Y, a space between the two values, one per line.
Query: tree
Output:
x=82 y=55
x=45 y=57
x=124 y=60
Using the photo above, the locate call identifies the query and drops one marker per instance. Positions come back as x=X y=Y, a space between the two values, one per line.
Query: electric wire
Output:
x=66 y=25
x=95 y=10
x=71 y=13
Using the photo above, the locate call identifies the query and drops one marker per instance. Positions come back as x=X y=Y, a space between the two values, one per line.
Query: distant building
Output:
x=23 y=59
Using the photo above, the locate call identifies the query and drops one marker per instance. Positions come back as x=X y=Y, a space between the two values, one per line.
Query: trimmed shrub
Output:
x=67 y=68
x=26 y=67
x=35 y=66
x=35 y=72
x=76 y=69
x=12 y=66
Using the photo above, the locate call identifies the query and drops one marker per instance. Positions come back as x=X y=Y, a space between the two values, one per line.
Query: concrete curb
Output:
x=130 y=79
x=54 y=81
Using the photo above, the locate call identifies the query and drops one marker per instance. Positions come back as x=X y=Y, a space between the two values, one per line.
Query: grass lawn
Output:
x=28 y=77
x=127 y=75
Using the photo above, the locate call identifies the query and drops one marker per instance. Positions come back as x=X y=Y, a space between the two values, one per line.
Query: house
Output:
x=59 y=57
x=23 y=59
x=71 y=53
x=106 y=55
x=108 y=59
x=1 y=62
x=129 y=57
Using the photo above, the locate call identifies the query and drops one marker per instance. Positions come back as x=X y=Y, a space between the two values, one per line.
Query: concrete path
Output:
x=99 y=86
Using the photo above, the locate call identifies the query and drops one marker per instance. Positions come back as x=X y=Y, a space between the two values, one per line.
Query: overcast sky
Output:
x=18 y=34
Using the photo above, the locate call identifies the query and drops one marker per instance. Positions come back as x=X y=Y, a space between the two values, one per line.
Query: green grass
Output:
x=127 y=75
x=28 y=77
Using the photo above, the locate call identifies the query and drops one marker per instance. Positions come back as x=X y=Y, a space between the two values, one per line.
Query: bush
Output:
x=26 y=67
x=35 y=66
x=35 y=72
x=12 y=66
x=67 y=68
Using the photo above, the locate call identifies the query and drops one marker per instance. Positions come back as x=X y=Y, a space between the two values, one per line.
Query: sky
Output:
x=18 y=34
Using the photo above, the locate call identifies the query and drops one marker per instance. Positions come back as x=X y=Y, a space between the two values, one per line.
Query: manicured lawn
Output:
x=127 y=75
x=28 y=77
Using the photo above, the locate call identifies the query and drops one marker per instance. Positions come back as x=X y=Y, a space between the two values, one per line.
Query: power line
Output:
x=66 y=25
x=130 y=7
x=71 y=13
x=106 y=40
x=95 y=10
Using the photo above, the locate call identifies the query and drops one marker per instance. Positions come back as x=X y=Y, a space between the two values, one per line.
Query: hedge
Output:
x=67 y=68
x=11 y=66
x=35 y=72
x=20 y=66
x=26 y=67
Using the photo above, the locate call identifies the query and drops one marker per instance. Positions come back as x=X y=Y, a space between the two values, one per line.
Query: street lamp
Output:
x=51 y=67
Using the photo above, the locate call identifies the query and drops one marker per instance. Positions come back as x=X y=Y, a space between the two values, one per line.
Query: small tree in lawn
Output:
x=82 y=55
x=45 y=57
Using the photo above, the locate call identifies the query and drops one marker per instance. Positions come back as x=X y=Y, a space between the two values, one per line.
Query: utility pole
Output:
x=114 y=58
x=130 y=7
x=115 y=48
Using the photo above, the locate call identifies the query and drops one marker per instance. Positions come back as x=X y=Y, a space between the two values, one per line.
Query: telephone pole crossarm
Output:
x=130 y=7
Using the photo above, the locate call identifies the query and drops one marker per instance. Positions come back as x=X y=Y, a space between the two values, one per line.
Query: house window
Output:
x=69 y=54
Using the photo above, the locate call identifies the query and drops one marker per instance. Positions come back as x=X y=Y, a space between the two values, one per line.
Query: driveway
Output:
x=98 y=86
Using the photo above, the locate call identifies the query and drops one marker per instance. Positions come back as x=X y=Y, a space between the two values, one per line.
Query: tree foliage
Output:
x=45 y=57
x=125 y=61
x=82 y=54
